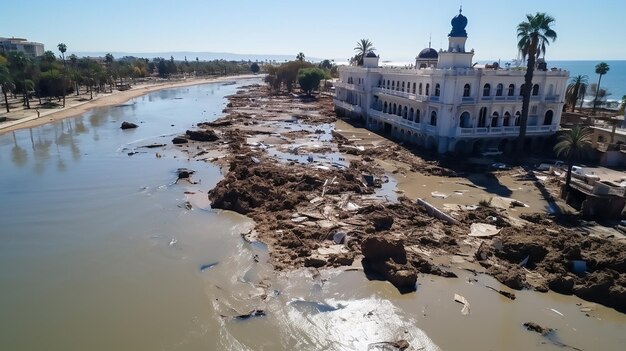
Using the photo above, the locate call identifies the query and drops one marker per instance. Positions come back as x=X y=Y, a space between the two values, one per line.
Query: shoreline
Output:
x=118 y=97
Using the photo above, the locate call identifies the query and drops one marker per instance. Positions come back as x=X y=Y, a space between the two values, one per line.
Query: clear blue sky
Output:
x=319 y=28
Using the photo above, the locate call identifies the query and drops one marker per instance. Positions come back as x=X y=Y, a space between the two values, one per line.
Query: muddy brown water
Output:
x=100 y=250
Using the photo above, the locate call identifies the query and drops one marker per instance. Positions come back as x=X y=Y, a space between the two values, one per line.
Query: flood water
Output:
x=100 y=250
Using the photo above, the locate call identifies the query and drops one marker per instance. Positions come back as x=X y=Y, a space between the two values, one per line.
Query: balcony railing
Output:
x=348 y=86
x=347 y=106
x=394 y=93
x=467 y=100
x=553 y=98
x=504 y=131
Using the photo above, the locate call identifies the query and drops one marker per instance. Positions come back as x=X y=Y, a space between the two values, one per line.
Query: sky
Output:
x=319 y=28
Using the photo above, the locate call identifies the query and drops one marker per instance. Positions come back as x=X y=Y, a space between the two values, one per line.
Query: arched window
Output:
x=518 y=117
x=398 y=86
x=402 y=86
x=413 y=88
x=521 y=89
x=466 y=90
x=487 y=89
x=427 y=88
x=437 y=89
x=499 y=89
x=385 y=107
x=464 y=120
x=535 y=89
x=482 y=117
x=400 y=110
x=433 y=118
x=507 y=119
x=494 y=119
x=393 y=85
x=395 y=109
x=411 y=114
x=388 y=84
x=511 y=90
x=417 y=116
x=406 y=113
x=420 y=89
x=547 y=120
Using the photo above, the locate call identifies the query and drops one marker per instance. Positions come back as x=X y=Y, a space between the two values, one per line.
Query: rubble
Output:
x=300 y=200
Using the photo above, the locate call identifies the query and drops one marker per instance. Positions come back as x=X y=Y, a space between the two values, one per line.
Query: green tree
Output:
x=310 y=78
x=62 y=49
x=326 y=64
x=6 y=84
x=20 y=63
x=573 y=144
x=602 y=68
x=51 y=84
x=300 y=57
x=108 y=58
x=363 y=46
x=48 y=56
x=533 y=37
x=254 y=67
x=576 y=89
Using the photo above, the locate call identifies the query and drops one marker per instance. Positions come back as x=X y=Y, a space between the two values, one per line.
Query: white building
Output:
x=29 y=48
x=447 y=103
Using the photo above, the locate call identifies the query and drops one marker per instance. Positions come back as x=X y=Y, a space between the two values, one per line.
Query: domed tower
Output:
x=456 y=56
x=458 y=35
x=427 y=58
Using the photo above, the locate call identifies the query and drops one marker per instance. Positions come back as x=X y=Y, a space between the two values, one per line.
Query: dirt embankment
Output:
x=317 y=202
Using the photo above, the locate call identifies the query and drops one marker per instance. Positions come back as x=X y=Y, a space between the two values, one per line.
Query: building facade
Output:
x=29 y=48
x=447 y=103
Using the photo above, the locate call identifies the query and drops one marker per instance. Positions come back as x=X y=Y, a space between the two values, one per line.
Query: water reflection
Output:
x=19 y=156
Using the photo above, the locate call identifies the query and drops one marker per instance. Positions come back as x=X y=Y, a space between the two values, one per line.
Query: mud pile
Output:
x=544 y=256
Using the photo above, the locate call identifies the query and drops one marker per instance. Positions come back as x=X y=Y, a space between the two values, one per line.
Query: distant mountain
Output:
x=191 y=55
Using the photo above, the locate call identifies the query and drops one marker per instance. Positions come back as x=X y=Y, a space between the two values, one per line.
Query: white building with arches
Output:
x=447 y=103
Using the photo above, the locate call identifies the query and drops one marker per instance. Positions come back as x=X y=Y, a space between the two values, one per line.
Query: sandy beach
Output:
x=117 y=97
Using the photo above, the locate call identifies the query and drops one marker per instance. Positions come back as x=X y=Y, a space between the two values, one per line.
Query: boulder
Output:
x=376 y=248
x=128 y=125
x=202 y=135
x=179 y=140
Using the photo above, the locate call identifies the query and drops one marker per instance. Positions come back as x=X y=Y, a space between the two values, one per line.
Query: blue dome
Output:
x=428 y=53
x=459 y=22
x=371 y=54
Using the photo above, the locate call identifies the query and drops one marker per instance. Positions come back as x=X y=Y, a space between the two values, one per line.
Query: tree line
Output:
x=50 y=76
x=300 y=73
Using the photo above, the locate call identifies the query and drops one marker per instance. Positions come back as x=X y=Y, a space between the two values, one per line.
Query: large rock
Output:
x=179 y=140
x=128 y=125
x=378 y=248
x=202 y=135
x=386 y=258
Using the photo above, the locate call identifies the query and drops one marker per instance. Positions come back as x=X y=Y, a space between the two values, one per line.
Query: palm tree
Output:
x=21 y=63
x=363 y=46
x=300 y=57
x=576 y=88
x=6 y=84
x=573 y=144
x=63 y=48
x=601 y=68
x=533 y=37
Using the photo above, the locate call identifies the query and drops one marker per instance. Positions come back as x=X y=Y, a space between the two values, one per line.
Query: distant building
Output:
x=449 y=104
x=29 y=48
